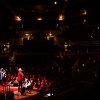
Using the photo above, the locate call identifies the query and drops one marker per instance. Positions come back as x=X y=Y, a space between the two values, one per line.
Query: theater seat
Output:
x=9 y=95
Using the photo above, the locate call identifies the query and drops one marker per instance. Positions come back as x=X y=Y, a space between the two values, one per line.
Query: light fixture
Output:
x=84 y=12
x=27 y=34
x=84 y=21
x=55 y=2
x=18 y=18
x=39 y=18
x=61 y=17
x=98 y=27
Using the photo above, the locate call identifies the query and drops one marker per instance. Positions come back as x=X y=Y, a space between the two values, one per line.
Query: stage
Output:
x=17 y=95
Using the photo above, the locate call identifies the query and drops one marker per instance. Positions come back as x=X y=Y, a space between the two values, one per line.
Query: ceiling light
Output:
x=84 y=12
x=18 y=18
x=39 y=18
x=61 y=17
x=57 y=25
x=55 y=2
x=84 y=21
x=98 y=27
x=27 y=34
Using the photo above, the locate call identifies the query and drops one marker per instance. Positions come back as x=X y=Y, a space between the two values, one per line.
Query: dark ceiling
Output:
x=29 y=10
x=73 y=27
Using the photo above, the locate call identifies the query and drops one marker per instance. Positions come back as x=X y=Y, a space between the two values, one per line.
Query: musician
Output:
x=2 y=75
x=20 y=79
x=28 y=85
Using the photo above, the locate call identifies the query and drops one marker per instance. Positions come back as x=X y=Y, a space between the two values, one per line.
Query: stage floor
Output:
x=17 y=95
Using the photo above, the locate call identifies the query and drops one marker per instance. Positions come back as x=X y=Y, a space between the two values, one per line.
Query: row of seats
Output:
x=7 y=95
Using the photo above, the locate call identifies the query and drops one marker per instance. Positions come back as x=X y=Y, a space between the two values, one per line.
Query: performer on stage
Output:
x=2 y=76
x=20 y=79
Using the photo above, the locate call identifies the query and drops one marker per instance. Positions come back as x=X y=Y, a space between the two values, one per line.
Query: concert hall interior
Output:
x=49 y=49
